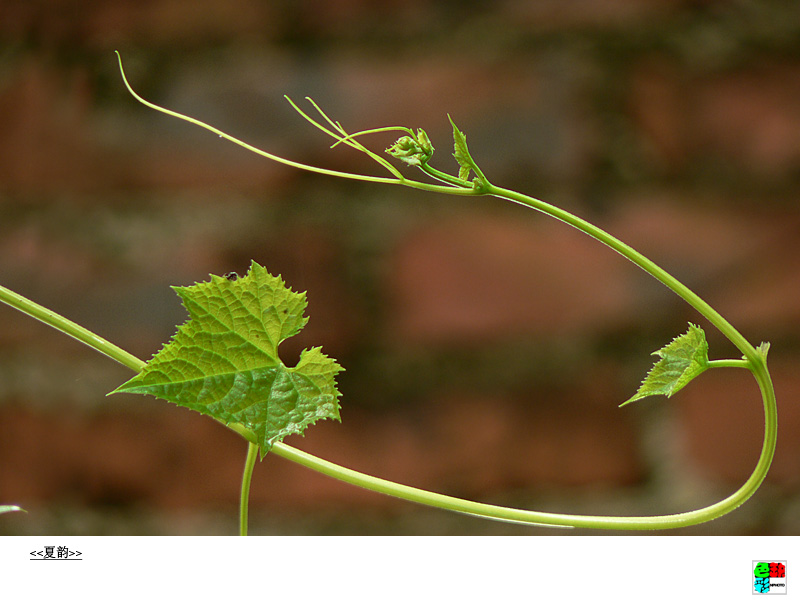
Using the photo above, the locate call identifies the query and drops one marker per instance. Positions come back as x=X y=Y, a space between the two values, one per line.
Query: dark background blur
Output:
x=486 y=346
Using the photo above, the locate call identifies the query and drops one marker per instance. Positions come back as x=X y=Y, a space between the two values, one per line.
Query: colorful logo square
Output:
x=769 y=577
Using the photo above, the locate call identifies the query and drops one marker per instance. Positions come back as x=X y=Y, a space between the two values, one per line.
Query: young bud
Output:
x=415 y=151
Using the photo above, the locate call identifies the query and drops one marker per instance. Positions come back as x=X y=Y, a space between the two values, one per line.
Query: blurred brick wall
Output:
x=486 y=347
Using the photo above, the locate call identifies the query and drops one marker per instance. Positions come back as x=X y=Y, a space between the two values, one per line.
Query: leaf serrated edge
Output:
x=323 y=380
x=461 y=152
x=662 y=353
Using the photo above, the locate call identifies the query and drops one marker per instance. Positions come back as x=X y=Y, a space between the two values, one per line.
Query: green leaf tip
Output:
x=461 y=152
x=8 y=509
x=223 y=362
x=464 y=160
x=683 y=359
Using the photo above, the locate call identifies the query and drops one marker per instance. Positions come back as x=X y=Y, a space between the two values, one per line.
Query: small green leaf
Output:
x=683 y=359
x=461 y=153
x=223 y=362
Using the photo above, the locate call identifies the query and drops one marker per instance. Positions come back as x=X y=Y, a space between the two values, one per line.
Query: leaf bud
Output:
x=413 y=150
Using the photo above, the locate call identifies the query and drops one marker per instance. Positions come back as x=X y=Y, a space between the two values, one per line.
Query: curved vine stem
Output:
x=416 y=150
x=488 y=511
x=700 y=305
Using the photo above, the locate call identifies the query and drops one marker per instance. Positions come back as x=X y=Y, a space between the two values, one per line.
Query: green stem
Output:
x=446 y=177
x=730 y=363
x=757 y=366
x=397 y=180
x=754 y=360
x=635 y=257
x=244 y=499
x=72 y=329
x=47 y=316
x=529 y=517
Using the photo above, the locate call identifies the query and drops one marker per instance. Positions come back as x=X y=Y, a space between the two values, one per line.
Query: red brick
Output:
x=488 y=443
x=752 y=118
x=743 y=263
x=540 y=122
x=485 y=277
x=66 y=266
x=53 y=144
x=748 y=118
x=554 y=14
x=703 y=235
x=468 y=445
x=109 y=23
x=763 y=299
x=160 y=459
x=360 y=17
x=44 y=117
x=723 y=422
x=658 y=106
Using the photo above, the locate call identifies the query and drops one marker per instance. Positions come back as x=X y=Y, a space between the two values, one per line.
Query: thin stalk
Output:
x=635 y=257
x=446 y=177
x=247 y=476
x=12 y=508
x=344 y=138
x=757 y=366
x=754 y=359
x=529 y=517
x=53 y=319
x=247 y=146
x=729 y=363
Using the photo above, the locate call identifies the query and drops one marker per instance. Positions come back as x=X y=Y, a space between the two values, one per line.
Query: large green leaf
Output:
x=683 y=359
x=224 y=362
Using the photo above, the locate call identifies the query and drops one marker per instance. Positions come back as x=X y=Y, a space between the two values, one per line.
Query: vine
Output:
x=247 y=383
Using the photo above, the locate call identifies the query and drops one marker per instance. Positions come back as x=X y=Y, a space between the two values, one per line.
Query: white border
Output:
x=394 y=567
